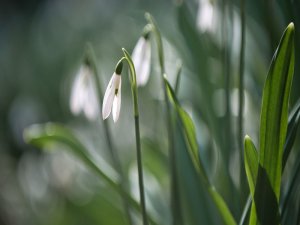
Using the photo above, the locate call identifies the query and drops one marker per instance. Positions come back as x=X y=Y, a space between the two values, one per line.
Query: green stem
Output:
x=178 y=75
x=241 y=80
x=227 y=133
x=226 y=65
x=246 y=211
x=241 y=97
x=175 y=198
x=114 y=156
x=137 y=134
x=140 y=168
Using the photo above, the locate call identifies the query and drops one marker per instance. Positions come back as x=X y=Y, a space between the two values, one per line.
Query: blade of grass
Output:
x=273 y=128
x=192 y=147
x=294 y=119
x=293 y=125
x=294 y=183
x=274 y=112
x=175 y=196
x=241 y=99
x=44 y=135
x=91 y=56
x=178 y=76
x=251 y=168
x=251 y=163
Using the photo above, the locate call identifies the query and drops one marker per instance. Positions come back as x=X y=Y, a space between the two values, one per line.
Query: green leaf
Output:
x=251 y=163
x=245 y=215
x=273 y=128
x=293 y=124
x=294 y=118
x=251 y=167
x=188 y=129
x=274 y=111
x=196 y=203
x=292 y=197
x=45 y=135
x=178 y=76
x=221 y=206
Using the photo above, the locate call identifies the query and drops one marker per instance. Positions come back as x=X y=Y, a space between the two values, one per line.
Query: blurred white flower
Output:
x=205 y=16
x=141 y=57
x=84 y=95
x=112 y=96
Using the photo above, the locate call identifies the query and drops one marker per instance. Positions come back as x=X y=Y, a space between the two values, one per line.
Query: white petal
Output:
x=108 y=97
x=117 y=103
x=77 y=93
x=141 y=57
x=137 y=51
x=91 y=105
x=205 y=16
x=144 y=72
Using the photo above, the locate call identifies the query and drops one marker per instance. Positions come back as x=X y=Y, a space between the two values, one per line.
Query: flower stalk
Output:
x=114 y=156
x=137 y=133
x=241 y=94
x=141 y=57
x=175 y=198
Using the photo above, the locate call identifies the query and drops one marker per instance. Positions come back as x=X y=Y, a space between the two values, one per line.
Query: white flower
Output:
x=205 y=16
x=112 y=98
x=83 y=94
x=141 y=57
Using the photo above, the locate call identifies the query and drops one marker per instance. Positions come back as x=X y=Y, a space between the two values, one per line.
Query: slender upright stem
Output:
x=178 y=75
x=114 y=156
x=226 y=65
x=175 y=198
x=241 y=94
x=140 y=168
x=137 y=134
x=241 y=78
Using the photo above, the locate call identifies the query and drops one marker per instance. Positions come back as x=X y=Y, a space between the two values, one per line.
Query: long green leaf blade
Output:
x=293 y=125
x=273 y=128
x=251 y=167
x=190 y=137
x=251 y=163
x=45 y=135
x=274 y=112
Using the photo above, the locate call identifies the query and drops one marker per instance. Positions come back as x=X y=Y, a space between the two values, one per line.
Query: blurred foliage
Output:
x=42 y=44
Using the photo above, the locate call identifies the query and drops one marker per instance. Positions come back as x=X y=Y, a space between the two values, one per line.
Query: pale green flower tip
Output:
x=125 y=52
x=88 y=52
x=147 y=15
x=119 y=67
x=146 y=31
x=87 y=61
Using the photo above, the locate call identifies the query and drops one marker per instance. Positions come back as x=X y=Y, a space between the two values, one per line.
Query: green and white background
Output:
x=64 y=173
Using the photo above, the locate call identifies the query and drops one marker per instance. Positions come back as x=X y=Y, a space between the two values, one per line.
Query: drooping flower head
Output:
x=112 y=96
x=141 y=57
x=83 y=94
x=206 y=16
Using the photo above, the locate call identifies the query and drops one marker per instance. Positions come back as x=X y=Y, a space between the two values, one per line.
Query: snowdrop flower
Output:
x=141 y=57
x=205 y=16
x=112 y=96
x=83 y=95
